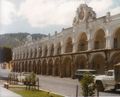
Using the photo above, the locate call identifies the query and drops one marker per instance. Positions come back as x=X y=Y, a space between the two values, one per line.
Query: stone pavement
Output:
x=67 y=86
x=7 y=93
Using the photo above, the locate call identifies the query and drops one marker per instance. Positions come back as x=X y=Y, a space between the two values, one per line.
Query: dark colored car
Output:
x=80 y=72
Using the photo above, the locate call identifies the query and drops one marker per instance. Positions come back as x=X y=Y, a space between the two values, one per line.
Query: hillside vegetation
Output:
x=14 y=39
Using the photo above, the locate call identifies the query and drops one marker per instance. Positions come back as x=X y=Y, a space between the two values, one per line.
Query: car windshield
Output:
x=82 y=72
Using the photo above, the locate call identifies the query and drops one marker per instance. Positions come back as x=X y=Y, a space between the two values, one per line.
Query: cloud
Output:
x=7 y=11
x=101 y=6
x=115 y=10
x=41 y=13
x=48 y=12
x=44 y=14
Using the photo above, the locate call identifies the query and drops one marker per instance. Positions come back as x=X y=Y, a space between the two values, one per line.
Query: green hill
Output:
x=14 y=39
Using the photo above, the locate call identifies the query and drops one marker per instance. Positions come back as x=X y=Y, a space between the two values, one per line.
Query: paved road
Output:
x=65 y=86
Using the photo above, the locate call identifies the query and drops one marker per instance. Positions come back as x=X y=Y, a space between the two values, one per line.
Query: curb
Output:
x=52 y=92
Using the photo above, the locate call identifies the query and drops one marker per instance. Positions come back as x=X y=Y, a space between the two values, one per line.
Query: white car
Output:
x=106 y=82
x=79 y=73
x=21 y=77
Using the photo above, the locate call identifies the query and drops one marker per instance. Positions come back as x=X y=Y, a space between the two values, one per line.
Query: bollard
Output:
x=97 y=92
x=77 y=91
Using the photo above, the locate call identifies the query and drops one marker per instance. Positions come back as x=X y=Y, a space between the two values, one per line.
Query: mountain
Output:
x=15 y=39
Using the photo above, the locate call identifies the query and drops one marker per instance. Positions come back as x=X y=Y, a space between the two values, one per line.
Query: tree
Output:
x=88 y=86
x=5 y=54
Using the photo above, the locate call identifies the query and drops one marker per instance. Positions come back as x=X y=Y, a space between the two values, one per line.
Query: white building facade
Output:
x=92 y=43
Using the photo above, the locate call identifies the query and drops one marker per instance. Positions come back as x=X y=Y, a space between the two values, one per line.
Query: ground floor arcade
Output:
x=66 y=64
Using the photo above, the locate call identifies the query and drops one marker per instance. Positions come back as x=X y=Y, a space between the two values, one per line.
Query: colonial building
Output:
x=91 y=42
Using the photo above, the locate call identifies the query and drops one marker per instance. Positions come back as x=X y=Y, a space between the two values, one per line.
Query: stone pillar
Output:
x=49 y=50
x=55 y=49
x=109 y=39
x=75 y=45
x=38 y=52
x=90 y=44
x=62 y=47
x=43 y=51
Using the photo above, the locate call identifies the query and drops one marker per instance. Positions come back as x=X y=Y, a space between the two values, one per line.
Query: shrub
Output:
x=88 y=86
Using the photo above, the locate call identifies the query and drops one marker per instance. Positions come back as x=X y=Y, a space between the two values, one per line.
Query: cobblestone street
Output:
x=66 y=86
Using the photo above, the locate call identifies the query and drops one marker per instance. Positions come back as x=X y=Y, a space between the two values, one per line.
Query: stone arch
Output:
x=66 y=67
x=82 y=42
x=35 y=52
x=52 y=50
x=23 y=67
x=98 y=63
x=57 y=67
x=34 y=65
x=117 y=38
x=15 y=66
x=44 y=67
x=99 y=39
x=115 y=59
x=69 y=45
x=19 y=67
x=39 y=67
x=27 y=54
x=45 y=50
x=50 y=67
x=59 y=48
x=30 y=66
x=39 y=51
x=31 y=53
x=25 y=64
x=80 y=62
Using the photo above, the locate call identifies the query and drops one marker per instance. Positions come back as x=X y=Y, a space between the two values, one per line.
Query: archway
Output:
x=22 y=67
x=66 y=67
x=35 y=52
x=25 y=66
x=18 y=66
x=50 y=67
x=52 y=50
x=115 y=59
x=39 y=67
x=69 y=45
x=59 y=48
x=44 y=67
x=45 y=51
x=31 y=53
x=100 y=40
x=34 y=67
x=57 y=67
x=82 y=42
x=39 y=51
x=117 y=39
x=80 y=62
x=30 y=66
x=98 y=63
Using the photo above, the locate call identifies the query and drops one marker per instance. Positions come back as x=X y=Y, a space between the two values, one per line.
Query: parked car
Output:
x=21 y=77
x=80 y=72
x=109 y=81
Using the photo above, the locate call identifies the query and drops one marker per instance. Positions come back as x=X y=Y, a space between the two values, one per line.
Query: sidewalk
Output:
x=7 y=93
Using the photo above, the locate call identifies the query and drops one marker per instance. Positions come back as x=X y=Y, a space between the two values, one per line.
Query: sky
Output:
x=46 y=16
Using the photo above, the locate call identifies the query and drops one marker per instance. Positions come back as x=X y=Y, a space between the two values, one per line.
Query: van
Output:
x=80 y=72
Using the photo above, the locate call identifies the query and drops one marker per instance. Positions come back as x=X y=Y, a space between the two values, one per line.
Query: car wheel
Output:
x=99 y=85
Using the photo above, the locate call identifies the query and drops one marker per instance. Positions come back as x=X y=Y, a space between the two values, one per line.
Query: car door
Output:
x=110 y=80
